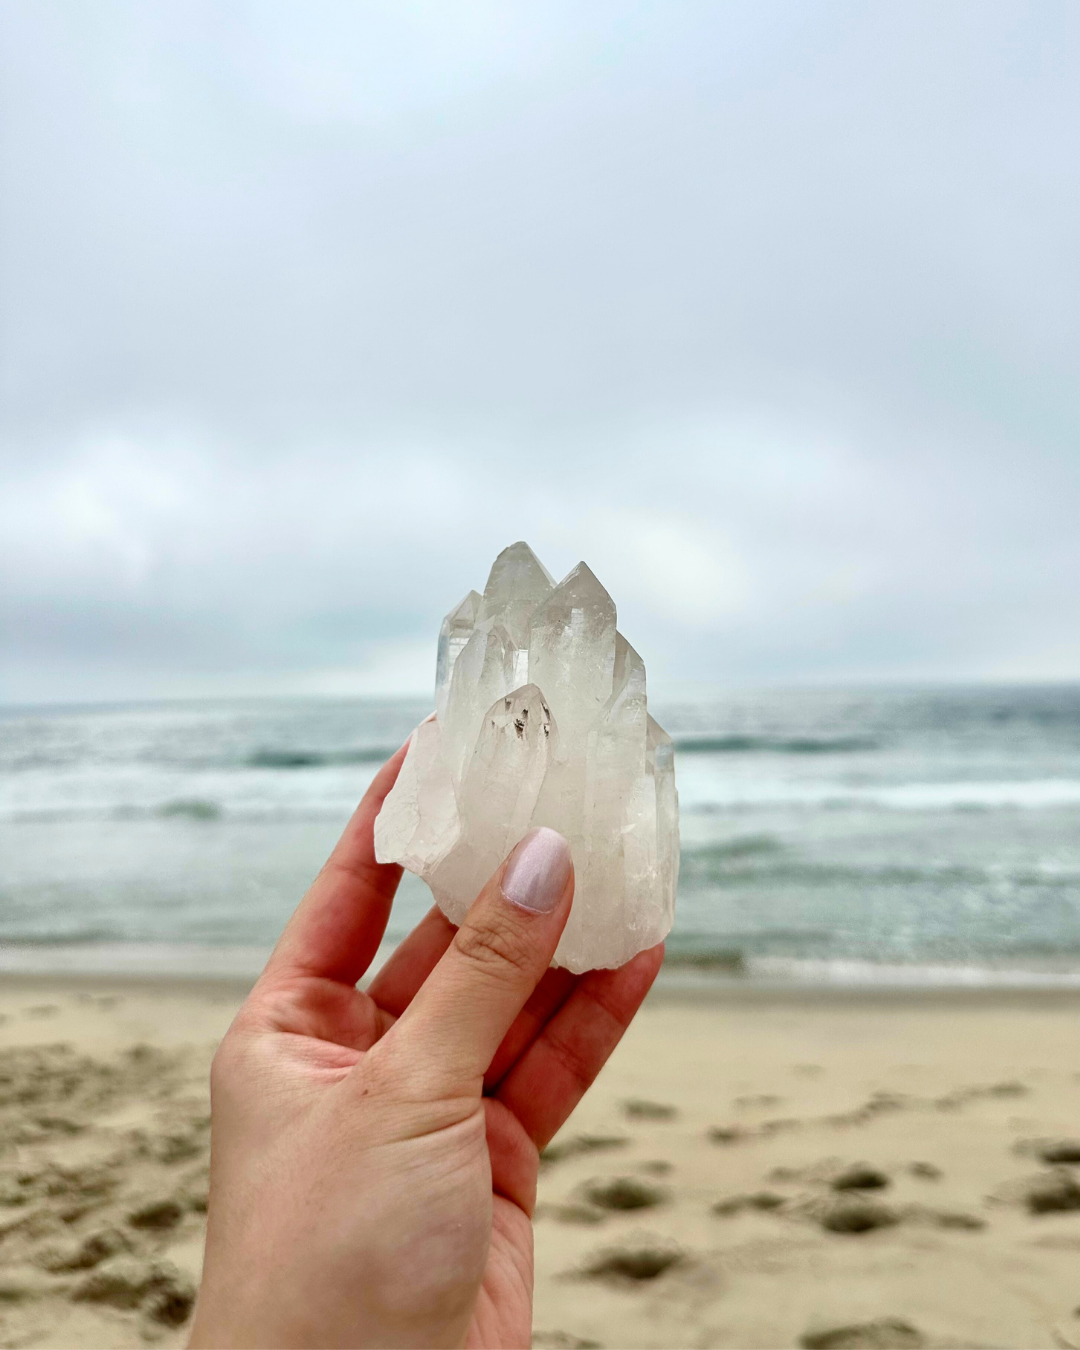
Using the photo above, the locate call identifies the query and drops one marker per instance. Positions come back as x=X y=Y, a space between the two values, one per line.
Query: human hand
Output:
x=374 y=1155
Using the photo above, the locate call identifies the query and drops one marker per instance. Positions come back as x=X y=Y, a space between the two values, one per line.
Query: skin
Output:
x=374 y=1154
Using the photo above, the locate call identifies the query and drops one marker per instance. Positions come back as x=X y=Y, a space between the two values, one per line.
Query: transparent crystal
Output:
x=541 y=719
x=457 y=629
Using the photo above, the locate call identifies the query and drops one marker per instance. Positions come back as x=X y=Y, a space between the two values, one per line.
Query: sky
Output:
x=768 y=311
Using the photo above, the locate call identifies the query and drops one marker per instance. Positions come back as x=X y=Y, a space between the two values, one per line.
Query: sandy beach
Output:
x=754 y=1168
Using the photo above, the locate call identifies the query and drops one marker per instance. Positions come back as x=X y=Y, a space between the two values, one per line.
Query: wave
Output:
x=133 y=959
x=731 y=953
x=317 y=759
x=269 y=757
x=195 y=808
x=714 y=796
x=795 y=745
x=76 y=937
x=743 y=846
x=708 y=957
x=764 y=860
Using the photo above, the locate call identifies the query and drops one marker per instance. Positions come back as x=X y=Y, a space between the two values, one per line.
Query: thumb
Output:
x=447 y=1036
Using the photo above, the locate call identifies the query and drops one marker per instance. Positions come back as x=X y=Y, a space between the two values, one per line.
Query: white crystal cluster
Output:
x=541 y=719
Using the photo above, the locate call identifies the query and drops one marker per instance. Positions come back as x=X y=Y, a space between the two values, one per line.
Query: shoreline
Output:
x=683 y=975
x=729 y=993
x=150 y=961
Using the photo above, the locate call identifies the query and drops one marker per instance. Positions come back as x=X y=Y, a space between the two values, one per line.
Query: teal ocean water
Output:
x=927 y=835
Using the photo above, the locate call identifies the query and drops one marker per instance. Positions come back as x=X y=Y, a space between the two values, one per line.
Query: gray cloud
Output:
x=767 y=310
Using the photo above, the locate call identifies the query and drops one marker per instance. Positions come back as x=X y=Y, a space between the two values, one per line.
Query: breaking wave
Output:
x=317 y=759
x=795 y=745
x=763 y=859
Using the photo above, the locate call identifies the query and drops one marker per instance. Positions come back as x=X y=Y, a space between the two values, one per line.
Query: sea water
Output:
x=918 y=835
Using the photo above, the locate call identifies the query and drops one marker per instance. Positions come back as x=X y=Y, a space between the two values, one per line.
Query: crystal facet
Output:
x=541 y=719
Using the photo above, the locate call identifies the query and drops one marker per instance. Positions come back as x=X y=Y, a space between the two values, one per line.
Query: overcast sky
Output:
x=768 y=311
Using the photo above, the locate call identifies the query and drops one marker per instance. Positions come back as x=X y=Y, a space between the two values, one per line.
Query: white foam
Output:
x=702 y=790
x=147 y=959
x=851 y=973
x=134 y=959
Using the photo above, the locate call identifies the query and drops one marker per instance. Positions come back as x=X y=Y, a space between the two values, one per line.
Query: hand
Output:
x=374 y=1155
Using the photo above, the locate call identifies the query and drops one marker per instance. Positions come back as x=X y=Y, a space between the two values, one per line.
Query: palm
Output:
x=503 y=1313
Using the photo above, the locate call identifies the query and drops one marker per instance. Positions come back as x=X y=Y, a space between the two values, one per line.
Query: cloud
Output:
x=766 y=310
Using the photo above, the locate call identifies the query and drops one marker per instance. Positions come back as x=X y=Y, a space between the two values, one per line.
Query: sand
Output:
x=754 y=1168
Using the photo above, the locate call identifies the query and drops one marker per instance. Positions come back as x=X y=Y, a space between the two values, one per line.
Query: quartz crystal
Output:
x=541 y=719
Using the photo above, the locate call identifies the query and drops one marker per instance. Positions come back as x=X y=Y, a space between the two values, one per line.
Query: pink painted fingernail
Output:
x=537 y=871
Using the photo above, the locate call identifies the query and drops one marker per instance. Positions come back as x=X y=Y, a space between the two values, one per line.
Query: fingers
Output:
x=445 y=1039
x=395 y=986
x=413 y=960
x=513 y=1156
x=336 y=930
x=550 y=1079
x=544 y=1001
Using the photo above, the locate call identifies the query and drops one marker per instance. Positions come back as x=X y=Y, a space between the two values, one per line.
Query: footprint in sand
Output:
x=622 y=1193
x=1054 y=1192
x=946 y=1218
x=877 y=1104
x=587 y=1214
x=157 y=1215
x=882 y=1333
x=762 y=1101
x=851 y=1213
x=988 y=1092
x=860 y=1177
x=85 y=1255
x=738 y=1134
x=637 y=1109
x=164 y=1294
x=728 y=1134
x=763 y=1201
x=637 y=1261
x=1053 y=1151
x=581 y=1143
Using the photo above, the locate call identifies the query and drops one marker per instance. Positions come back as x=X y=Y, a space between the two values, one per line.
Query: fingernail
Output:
x=537 y=871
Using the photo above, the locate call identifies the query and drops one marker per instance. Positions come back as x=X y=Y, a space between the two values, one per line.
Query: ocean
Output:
x=927 y=836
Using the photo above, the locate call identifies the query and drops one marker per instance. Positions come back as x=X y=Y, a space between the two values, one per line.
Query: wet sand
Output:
x=754 y=1168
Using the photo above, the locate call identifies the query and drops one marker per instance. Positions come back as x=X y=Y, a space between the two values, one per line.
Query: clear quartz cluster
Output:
x=541 y=719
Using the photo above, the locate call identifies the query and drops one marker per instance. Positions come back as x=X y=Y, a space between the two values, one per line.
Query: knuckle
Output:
x=575 y=1061
x=497 y=947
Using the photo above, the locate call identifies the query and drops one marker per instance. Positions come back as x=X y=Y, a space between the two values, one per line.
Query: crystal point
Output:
x=457 y=629
x=517 y=583
x=517 y=575
x=542 y=719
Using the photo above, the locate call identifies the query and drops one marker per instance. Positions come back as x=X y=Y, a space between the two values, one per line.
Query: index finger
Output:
x=337 y=927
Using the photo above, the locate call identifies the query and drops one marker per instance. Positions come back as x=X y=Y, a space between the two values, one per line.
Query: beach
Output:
x=757 y=1166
